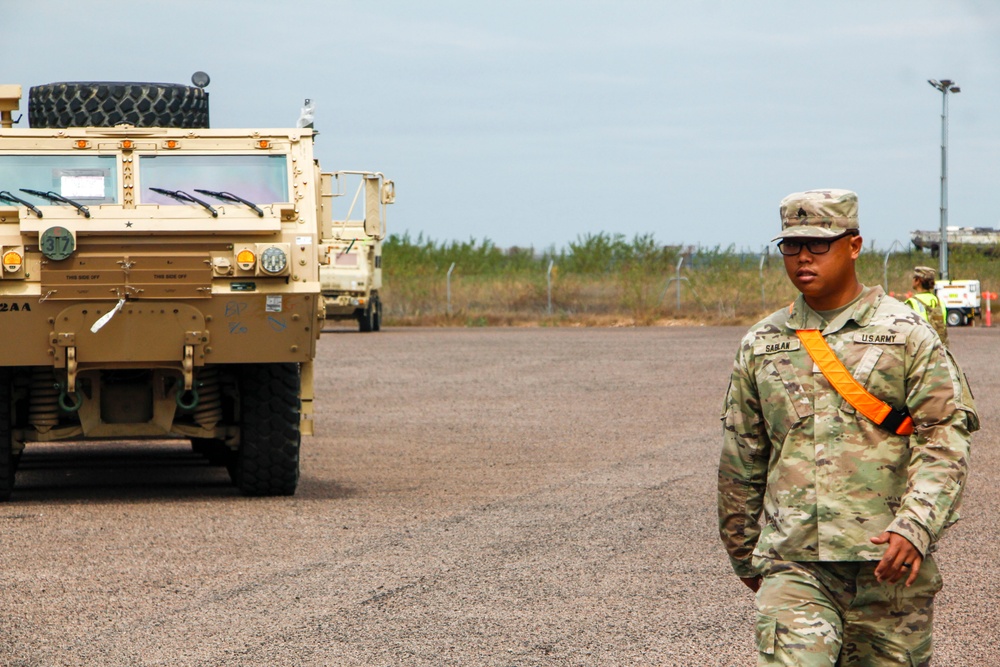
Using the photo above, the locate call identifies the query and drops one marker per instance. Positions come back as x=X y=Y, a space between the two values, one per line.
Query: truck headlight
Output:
x=273 y=260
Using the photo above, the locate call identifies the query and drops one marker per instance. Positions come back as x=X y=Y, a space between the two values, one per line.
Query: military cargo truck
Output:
x=159 y=278
x=351 y=249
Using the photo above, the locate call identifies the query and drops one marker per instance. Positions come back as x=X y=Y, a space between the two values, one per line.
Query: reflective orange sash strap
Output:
x=886 y=416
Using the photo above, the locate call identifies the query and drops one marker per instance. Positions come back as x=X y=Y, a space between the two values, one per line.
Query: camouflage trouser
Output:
x=836 y=614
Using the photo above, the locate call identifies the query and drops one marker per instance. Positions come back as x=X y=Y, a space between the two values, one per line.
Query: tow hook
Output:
x=189 y=404
x=187 y=367
x=62 y=399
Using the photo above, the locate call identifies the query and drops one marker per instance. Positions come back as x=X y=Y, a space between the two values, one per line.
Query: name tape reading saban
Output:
x=777 y=346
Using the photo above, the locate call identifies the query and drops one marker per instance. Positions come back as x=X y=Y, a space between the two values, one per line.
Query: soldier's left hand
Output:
x=899 y=560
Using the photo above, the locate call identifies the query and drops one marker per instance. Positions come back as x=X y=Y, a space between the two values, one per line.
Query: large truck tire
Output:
x=377 y=314
x=8 y=464
x=267 y=461
x=366 y=317
x=107 y=103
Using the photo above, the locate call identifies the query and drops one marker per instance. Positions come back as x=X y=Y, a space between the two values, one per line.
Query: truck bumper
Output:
x=229 y=328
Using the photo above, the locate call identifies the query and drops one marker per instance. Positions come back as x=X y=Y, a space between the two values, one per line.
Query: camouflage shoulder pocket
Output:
x=963 y=393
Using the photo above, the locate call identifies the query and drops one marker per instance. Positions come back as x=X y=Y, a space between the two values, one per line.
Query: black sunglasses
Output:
x=792 y=247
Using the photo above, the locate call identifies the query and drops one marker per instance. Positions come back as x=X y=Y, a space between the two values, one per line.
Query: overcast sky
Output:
x=534 y=123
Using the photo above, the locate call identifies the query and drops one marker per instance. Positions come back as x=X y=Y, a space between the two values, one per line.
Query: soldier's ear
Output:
x=857 y=245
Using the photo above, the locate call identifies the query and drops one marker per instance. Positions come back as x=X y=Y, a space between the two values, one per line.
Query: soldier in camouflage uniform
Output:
x=830 y=518
x=926 y=303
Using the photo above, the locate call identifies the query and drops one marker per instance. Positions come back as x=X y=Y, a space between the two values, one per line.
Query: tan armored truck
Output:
x=350 y=269
x=159 y=278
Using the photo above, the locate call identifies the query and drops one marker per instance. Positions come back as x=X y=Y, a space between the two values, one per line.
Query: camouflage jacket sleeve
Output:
x=941 y=405
x=743 y=465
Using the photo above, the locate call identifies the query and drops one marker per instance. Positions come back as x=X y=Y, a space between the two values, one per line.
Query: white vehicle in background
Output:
x=962 y=300
x=350 y=252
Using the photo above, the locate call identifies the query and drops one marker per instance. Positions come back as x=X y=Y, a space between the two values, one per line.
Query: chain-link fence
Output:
x=604 y=278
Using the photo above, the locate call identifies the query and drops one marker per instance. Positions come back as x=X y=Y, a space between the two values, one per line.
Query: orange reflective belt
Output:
x=886 y=416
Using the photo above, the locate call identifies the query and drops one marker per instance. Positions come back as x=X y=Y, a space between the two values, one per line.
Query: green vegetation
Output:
x=608 y=279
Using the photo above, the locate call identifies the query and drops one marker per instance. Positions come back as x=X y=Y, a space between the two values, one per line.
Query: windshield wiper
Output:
x=180 y=195
x=229 y=196
x=13 y=199
x=52 y=196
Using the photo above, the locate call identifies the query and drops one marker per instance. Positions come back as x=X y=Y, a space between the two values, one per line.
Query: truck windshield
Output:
x=262 y=179
x=88 y=179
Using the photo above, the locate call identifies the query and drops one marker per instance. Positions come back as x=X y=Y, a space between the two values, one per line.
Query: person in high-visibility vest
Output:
x=845 y=448
x=925 y=301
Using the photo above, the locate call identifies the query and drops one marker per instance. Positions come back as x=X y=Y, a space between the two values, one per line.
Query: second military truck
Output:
x=350 y=255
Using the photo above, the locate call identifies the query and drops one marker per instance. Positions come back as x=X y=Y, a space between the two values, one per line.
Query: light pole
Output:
x=945 y=86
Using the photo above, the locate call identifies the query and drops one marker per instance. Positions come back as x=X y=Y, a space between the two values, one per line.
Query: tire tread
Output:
x=8 y=464
x=102 y=104
x=267 y=463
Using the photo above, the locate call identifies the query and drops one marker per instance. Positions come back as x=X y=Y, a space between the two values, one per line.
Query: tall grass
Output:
x=610 y=279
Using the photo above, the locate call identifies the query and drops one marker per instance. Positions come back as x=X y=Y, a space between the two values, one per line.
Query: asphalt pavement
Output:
x=511 y=496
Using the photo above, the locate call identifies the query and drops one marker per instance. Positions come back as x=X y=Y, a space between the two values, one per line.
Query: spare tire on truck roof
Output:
x=110 y=103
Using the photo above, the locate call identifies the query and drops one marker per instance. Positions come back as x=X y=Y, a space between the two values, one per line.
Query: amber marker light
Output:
x=171 y=143
x=263 y=143
x=127 y=144
x=245 y=259
x=81 y=143
x=12 y=261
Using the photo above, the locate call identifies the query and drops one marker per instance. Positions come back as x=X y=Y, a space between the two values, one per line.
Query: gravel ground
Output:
x=473 y=497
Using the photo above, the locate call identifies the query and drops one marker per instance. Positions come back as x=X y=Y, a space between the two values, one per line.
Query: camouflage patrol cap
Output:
x=818 y=214
x=925 y=273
